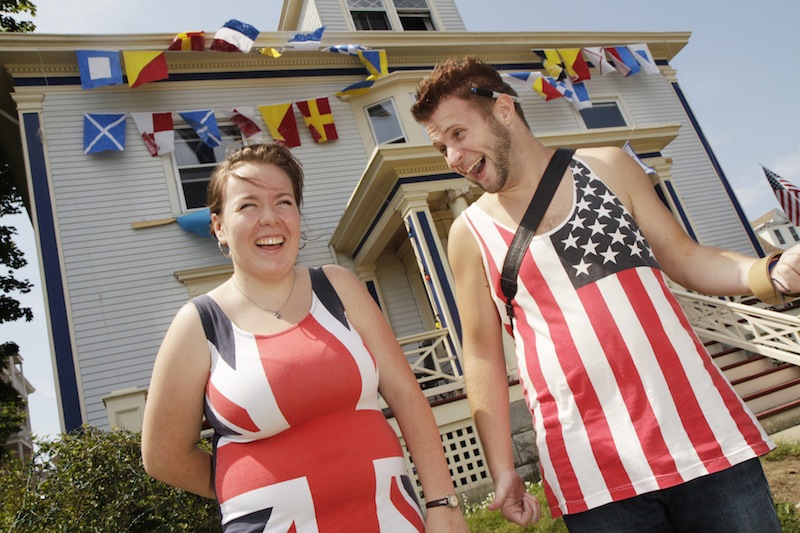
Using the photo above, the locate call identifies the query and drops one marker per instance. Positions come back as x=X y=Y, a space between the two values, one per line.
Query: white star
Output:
x=617 y=236
x=590 y=247
x=571 y=241
x=608 y=197
x=603 y=211
x=623 y=222
x=609 y=256
x=576 y=222
x=588 y=190
x=597 y=227
x=583 y=205
x=581 y=268
x=635 y=250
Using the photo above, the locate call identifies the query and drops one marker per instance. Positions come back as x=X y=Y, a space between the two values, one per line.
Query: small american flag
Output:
x=787 y=194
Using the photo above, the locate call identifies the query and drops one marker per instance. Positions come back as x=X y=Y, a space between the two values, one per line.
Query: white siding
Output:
x=448 y=15
x=404 y=315
x=119 y=280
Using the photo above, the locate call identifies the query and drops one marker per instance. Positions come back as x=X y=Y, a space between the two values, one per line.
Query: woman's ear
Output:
x=216 y=225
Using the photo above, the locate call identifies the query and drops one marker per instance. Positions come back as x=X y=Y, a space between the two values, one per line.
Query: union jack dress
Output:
x=300 y=443
x=625 y=398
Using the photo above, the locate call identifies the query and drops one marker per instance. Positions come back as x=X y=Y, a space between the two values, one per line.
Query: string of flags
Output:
x=106 y=131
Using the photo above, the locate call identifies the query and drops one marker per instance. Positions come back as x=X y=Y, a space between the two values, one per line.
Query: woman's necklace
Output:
x=275 y=313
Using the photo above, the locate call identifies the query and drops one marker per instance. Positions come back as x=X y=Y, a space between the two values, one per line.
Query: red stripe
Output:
x=685 y=401
x=231 y=412
x=630 y=386
x=402 y=505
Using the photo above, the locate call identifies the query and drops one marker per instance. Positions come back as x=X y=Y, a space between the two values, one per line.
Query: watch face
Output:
x=452 y=501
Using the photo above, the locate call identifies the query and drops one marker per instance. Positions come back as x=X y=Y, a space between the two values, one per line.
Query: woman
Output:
x=286 y=362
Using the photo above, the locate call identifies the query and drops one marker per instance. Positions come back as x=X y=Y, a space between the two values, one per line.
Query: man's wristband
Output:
x=760 y=281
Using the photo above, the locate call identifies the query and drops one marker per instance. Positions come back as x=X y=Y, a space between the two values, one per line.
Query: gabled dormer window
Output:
x=411 y=15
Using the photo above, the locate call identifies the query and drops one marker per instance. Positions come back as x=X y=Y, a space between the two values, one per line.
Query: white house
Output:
x=775 y=228
x=378 y=200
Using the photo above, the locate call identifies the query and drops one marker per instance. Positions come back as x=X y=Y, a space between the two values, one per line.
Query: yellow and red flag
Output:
x=319 y=119
x=144 y=67
x=279 y=118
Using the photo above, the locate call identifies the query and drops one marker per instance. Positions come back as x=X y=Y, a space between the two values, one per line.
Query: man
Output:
x=637 y=429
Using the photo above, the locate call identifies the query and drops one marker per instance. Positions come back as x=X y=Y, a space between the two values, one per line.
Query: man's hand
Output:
x=514 y=502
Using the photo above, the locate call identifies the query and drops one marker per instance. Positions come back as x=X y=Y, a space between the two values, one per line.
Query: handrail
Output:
x=752 y=328
x=434 y=362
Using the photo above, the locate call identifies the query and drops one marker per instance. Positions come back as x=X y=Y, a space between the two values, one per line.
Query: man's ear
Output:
x=505 y=106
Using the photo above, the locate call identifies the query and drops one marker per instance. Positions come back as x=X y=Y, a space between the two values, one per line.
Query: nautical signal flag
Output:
x=281 y=123
x=576 y=66
x=197 y=222
x=787 y=194
x=243 y=118
x=597 y=57
x=194 y=41
x=204 y=124
x=234 y=36
x=98 y=68
x=552 y=63
x=631 y=152
x=641 y=52
x=306 y=41
x=145 y=67
x=376 y=63
x=623 y=60
x=319 y=119
x=347 y=49
x=103 y=132
x=157 y=131
x=356 y=89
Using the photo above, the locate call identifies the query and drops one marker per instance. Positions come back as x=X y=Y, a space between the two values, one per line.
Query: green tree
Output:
x=12 y=406
x=93 y=481
x=13 y=7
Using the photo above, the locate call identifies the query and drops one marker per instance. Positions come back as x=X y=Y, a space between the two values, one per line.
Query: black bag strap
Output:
x=530 y=221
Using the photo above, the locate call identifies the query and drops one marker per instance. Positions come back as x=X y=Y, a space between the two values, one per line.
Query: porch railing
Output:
x=434 y=362
x=766 y=332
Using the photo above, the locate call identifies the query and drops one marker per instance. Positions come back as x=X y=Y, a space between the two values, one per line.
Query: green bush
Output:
x=481 y=520
x=93 y=481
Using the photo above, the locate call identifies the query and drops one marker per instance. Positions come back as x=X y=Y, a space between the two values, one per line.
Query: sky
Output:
x=738 y=73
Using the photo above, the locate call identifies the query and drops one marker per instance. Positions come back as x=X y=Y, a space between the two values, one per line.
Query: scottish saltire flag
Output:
x=243 y=118
x=787 y=194
x=623 y=60
x=356 y=89
x=103 y=131
x=631 y=152
x=376 y=63
x=145 y=67
x=319 y=119
x=306 y=41
x=576 y=66
x=552 y=63
x=234 y=36
x=282 y=125
x=99 y=68
x=348 y=49
x=197 y=222
x=596 y=55
x=204 y=124
x=641 y=52
x=157 y=132
x=189 y=41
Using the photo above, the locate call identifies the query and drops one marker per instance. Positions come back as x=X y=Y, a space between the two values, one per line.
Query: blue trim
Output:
x=681 y=210
x=718 y=169
x=373 y=291
x=51 y=266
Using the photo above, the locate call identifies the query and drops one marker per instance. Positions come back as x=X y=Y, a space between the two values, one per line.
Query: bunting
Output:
x=194 y=41
x=197 y=222
x=98 y=68
x=597 y=57
x=348 y=49
x=641 y=52
x=376 y=63
x=243 y=118
x=577 y=68
x=787 y=194
x=623 y=60
x=306 y=41
x=157 y=131
x=319 y=119
x=631 y=152
x=552 y=63
x=356 y=89
x=234 y=36
x=145 y=67
x=103 y=132
x=546 y=89
x=280 y=120
x=204 y=123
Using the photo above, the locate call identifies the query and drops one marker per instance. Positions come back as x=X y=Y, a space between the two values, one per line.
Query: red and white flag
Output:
x=157 y=132
x=787 y=194
x=243 y=118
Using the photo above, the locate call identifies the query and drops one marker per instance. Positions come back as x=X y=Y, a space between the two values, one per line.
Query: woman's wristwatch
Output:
x=451 y=501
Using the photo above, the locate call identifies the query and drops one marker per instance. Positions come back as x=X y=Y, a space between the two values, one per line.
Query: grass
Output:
x=481 y=520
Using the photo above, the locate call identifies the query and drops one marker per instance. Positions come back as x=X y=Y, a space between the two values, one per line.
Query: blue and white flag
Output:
x=641 y=52
x=98 y=68
x=234 y=36
x=631 y=152
x=204 y=123
x=197 y=222
x=347 y=49
x=306 y=41
x=103 y=132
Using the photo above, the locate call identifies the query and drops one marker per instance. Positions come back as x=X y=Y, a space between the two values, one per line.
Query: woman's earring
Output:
x=225 y=252
x=303 y=240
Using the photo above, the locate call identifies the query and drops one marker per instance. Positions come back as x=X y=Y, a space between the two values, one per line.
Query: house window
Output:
x=793 y=231
x=385 y=123
x=369 y=15
x=779 y=236
x=603 y=115
x=195 y=161
x=415 y=15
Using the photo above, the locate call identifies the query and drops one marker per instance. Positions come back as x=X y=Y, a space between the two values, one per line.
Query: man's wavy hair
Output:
x=455 y=77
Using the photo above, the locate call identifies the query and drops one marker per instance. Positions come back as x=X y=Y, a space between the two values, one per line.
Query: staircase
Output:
x=757 y=348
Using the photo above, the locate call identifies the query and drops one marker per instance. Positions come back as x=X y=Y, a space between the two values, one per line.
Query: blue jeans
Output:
x=735 y=500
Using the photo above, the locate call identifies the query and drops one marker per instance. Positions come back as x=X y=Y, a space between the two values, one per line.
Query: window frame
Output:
x=608 y=101
x=403 y=139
